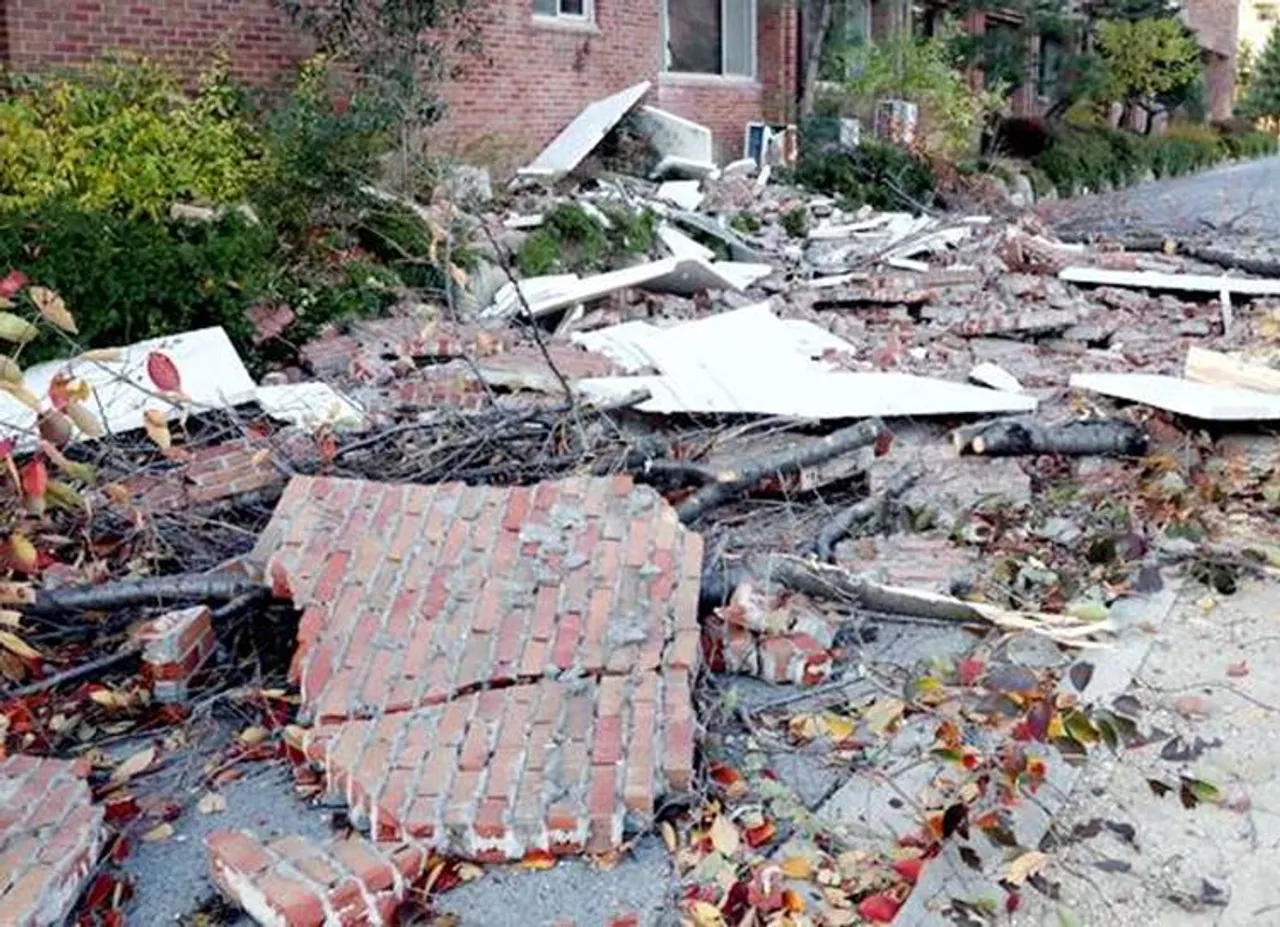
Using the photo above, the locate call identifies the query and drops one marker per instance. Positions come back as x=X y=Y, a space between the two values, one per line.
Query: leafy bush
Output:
x=1022 y=137
x=130 y=278
x=882 y=176
x=795 y=222
x=572 y=239
x=125 y=137
x=925 y=72
x=1243 y=140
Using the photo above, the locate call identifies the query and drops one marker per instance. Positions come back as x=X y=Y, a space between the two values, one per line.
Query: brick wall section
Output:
x=552 y=766
x=63 y=32
x=175 y=647
x=217 y=472
x=50 y=838
x=293 y=881
x=449 y=615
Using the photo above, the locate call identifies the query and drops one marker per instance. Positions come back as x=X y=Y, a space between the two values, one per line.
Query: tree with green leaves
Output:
x=1150 y=63
x=1244 y=68
x=1262 y=101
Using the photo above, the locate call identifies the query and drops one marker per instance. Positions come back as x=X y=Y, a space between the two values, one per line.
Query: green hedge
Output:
x=1097 y=158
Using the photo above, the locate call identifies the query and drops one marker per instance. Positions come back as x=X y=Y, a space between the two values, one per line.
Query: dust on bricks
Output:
x=302 y=883
x=50 y=837
x=492 y=670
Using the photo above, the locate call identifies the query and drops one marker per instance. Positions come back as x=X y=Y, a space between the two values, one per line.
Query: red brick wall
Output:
x=526 y=83
x=180 y=32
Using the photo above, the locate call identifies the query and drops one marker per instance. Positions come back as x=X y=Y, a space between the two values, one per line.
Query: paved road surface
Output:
x=1240 y=201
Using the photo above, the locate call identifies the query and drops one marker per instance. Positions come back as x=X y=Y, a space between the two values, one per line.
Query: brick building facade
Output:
x=1216 y=24
x=720 y=62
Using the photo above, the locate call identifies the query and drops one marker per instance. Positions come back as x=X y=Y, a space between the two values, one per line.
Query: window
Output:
x=1266 y=12
x=1049 y=65
x=579 y=10
x=849 y=33
x=711 y=37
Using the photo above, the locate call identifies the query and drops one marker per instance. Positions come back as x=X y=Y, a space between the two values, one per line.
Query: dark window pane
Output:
x=544 y=7
x=573 y=7
x=693 y=36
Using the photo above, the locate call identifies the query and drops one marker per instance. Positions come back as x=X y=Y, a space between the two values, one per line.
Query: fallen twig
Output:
x=870 y=510
x=150 y=590
x=1085 y=437
x=730 y=483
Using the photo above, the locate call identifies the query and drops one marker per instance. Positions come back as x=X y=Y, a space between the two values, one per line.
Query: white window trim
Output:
x=698 y=77
x=586 y=18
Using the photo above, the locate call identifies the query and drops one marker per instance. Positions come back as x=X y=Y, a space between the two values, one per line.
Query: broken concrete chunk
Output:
x=580 y=137
x=739 y=250
x=681 y=245
x=996 y=377
x=687 y=194
x=673 y=166
x=674 y=136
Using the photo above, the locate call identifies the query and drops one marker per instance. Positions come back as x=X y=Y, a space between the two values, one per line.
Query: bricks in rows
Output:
x=51 y=835
x=552 y=766
x=175 y=648
x=296 y=882
x=411 y=594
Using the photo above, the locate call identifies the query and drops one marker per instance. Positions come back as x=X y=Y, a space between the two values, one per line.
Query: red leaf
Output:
x=909 y=869
x=12 y=283
x=884 y=441
x=59 y=394
x=969 y=671
x=880 y=908
x=163 y=373
x=35 y=478
x=1011 y=901
x=7 y=445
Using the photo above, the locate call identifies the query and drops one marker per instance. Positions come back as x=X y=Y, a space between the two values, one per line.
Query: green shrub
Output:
x=795 y=222
x=129 y=278
x=124 y=137
x=571 y=239
x=883 y=176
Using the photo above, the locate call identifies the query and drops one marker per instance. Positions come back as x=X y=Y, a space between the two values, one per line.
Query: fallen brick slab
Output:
x=50 y=837
x=295 y=882
x=525 y=656
x=413 y=594
x=175 y=647
x=553 y=766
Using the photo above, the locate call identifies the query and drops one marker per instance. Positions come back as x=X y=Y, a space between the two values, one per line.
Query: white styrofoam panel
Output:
x=580 y=137
x=1185 y=397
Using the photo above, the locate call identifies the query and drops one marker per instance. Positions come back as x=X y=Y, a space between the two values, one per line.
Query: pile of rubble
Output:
x=523 y=536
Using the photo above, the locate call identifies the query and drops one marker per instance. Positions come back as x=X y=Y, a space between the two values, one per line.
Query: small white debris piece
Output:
x=213 y=377
x=681 y=245
x=310 y=404
x=822 y=283
x=524 y=222
x=673 y=166
x=1184 y=397
x=1218 y=369
x=1154 y=280
x=744 y=167
x=749 y=361
x=901 y=263
x=931 y=243
x=674 y=136
x=580 y=137
x=687 y=194
x=996 y=377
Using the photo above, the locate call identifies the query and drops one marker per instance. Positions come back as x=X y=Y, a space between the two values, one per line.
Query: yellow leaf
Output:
x=212 y=803
x=883 y=714
x=252 y=736
x=1056 y=729
x=103 y=355
x=469 y=872
x=9 y=369
x=797 y=867
x=139 y=762
x=17 y=646
x=669 y=836
x=65 y=496
x=260 y=457
x=724 y=836
x=85 y=420
x=159 y=832
x=836 y=727
x=118 y=494
x=10 y=619
x=109 y=698
x=1026 y=865
x=804 y=727
x=53 y=308
x=19 y=392
x=705 y=914
x=157 y=427
x=16 y=329
x=23 y=553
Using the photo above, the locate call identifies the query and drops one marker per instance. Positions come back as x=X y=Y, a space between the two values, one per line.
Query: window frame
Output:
x=586 y=18
x=753 y=14
x=825 y=84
